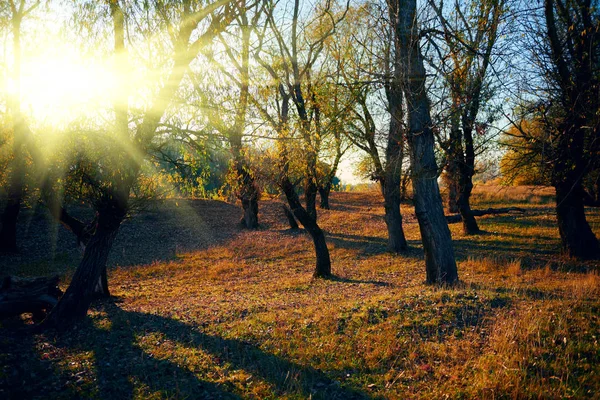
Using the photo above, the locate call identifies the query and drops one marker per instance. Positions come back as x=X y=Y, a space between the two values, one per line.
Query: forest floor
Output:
x=202 y=309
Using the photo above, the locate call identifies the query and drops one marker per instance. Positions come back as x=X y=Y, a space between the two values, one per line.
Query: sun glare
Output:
x=57 y=87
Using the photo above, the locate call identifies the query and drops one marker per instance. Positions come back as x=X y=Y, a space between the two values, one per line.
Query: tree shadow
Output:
x=159 y=233
x=24 y=367
x=367 y=244
x=132 y=352
x=465 y=248
x=340 y=279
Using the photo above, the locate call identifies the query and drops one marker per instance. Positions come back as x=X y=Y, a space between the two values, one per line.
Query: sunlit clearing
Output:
x=58 y=86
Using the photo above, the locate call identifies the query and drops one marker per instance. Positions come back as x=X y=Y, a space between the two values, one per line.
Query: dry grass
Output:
x=242 y=317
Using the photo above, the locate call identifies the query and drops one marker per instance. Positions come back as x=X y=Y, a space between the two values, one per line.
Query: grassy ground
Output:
x=241 y=316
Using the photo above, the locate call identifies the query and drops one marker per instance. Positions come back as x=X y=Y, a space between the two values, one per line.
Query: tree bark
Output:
x=467 y=170
x=437 y=241
x=310 y=197
x=578 y=239
x=248 y=195
x=8 y=233
x=10 y=216
x=394 y=155
x=323 y=266
x=393 y=217
x=391 y=189
x=324 y=192
x=290 y=217
x=452 y=194
x=575 y=151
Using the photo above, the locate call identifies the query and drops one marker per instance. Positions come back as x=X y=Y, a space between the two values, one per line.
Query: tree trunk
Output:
x=578 y=239
x=437 y=241
x=250 y=218
x=393 y=217
x=392 y=174
x=310 y=198
x=8 y=233
x=470 y=226
x=467 y=170
x=290 y=217
x=324 y=192
x=452 y=189
x=248 y=195
x=323 y=267
x=90 y=278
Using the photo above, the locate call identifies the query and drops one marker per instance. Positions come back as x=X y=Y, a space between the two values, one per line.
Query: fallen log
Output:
x=456 y=218
x=21 y=295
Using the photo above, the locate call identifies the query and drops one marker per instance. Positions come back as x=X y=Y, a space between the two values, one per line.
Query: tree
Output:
x=574 y=41
x=469 y=42
x=566 y=45
x=21 y=133
x=243 y=181
x=437 y=241
x=295 y=54
x=113 y=185
x=363 y=35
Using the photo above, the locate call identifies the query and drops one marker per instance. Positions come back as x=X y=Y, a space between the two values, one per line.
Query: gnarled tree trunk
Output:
x=90 y=277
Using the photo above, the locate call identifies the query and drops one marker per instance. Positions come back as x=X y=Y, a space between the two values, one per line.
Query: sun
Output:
x=59 y=85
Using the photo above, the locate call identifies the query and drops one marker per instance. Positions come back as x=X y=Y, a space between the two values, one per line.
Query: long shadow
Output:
x=359 y=281
x=467 y=248
x=370 y=245
x=160 y=233
x=22 y=370
x=123 y=365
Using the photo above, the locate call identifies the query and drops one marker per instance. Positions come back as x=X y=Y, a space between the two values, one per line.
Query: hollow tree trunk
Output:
x=324 y=192
x=323 y=266
x=437 y=241
x=91 y=272
x=578 y=239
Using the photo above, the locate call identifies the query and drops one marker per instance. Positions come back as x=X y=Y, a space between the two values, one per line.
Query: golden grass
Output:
x=244 y=318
